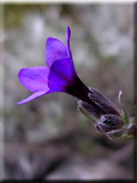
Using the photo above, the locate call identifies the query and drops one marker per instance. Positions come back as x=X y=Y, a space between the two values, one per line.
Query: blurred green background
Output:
x=48 y=138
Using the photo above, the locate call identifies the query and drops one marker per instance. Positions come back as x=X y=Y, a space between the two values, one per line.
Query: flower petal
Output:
x=35 y=78
x=33 y=96
x=68 y=36
x=61 y=75
x=55 y=50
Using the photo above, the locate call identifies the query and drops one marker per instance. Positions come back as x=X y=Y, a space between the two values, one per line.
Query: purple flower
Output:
x=56 y=76
x=60 y=76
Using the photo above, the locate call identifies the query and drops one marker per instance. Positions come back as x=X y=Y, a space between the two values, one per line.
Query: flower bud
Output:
x=108 y=123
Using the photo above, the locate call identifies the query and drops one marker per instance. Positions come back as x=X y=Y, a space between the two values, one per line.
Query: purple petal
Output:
x=55 y=50
x=68 y=36
x=61 y=75
x=33 y=96
x=35 y=78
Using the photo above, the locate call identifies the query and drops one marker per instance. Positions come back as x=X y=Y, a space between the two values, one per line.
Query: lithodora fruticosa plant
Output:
x=59 y=75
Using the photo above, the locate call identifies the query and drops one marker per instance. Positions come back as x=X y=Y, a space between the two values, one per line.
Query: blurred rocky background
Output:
x=48 y=138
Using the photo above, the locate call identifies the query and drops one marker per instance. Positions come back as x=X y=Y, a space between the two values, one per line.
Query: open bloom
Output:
x=59 y=75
